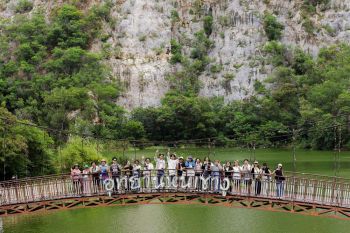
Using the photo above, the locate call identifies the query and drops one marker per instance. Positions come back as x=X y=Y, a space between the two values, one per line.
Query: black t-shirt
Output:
x=178 y=167
x=266 y=170
x=115 y=169
x=279 y=175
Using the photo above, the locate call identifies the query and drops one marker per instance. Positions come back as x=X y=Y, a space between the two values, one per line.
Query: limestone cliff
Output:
x=137 y=40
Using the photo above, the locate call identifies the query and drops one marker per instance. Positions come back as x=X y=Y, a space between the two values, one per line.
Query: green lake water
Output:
x=171 y=218
x=195 y=218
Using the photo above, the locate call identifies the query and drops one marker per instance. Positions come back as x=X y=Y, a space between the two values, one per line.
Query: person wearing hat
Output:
x=256 y=174
x=104 y=168
x=279 y=177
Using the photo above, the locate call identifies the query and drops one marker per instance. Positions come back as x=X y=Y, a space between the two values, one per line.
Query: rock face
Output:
x=139 y=34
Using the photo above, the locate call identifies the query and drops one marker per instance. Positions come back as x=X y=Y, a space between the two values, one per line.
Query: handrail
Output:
x=292 y=188
x=287 y=173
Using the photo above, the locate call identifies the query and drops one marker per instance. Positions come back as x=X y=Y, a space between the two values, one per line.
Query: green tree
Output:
x=79 y=151
x=272 y=27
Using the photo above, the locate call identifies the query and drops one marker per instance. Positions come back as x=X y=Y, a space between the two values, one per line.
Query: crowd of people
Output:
x=187 y=169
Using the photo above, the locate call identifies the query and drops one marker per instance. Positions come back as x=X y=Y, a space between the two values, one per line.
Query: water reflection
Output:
x=170 y=218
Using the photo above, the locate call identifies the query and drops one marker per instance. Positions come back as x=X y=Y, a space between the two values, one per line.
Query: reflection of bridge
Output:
x=302 y=193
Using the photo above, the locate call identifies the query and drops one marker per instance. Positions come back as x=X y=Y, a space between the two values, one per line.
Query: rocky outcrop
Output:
x=138 y=36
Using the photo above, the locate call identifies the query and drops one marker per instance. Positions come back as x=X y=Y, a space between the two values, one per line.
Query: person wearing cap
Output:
x=256 y=174
x=115 y=170
x=279 y=177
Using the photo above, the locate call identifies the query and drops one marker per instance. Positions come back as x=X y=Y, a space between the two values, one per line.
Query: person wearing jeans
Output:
x=279 y=177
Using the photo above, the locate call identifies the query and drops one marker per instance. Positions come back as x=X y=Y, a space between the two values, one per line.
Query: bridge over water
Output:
x=299 y=193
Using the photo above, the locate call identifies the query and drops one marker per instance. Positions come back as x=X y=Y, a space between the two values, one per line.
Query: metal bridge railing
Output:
x=320 y=190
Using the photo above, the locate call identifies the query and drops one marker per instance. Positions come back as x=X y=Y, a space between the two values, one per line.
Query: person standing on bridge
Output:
x=95 y=171
x=76 y=177
x=198 y=171
x=206 y=167
x=136 y=173
x=236 y=177
x=228 y=171
x=172 y=162
x=190 y=165
x=279 y=177
x=246 y=174
x=115 y=170
x=104 y=168
x=180 y=167
x=265 y=178
x=160 y=166
x=86 y=179
x=256 y=173
x=147 y=172
x=216 y=170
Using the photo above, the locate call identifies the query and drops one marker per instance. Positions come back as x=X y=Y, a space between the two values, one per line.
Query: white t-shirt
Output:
x=236 y=172
x=160 y=164
x=246 y=170
x=148 y=169
x=172 y=166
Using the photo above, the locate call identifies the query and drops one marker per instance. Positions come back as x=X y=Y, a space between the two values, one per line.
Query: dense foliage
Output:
x=302 y=93
x=25 y=151
x=48 y=75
